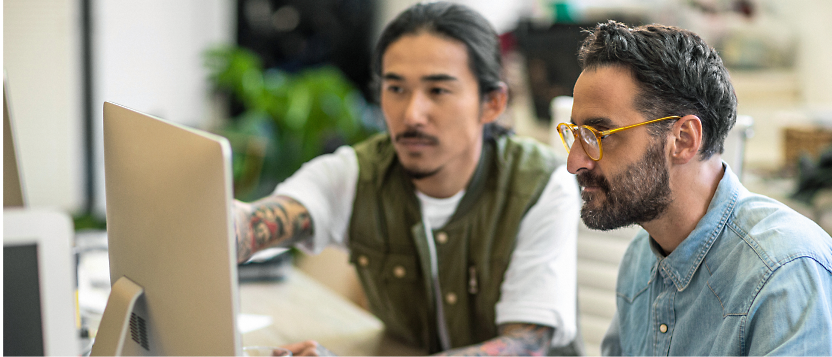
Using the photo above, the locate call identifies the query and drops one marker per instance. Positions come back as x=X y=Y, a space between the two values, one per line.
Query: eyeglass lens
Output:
x=566 y=134
x=590 y=143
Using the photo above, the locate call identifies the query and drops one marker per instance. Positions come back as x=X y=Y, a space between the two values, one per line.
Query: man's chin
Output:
x=417 y=173
x=599 y=220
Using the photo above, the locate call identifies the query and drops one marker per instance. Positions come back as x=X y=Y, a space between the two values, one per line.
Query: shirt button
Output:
x=663 y=328
x=399 y=271
x=450 y=298
x=363 y=260
x=441 y=237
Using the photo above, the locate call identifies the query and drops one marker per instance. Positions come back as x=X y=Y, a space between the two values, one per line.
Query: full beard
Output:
x=640 y=194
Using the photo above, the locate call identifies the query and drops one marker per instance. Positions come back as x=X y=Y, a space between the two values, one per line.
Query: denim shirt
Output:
x=753 y=278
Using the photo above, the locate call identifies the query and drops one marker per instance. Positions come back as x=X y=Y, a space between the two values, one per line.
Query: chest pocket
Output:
x=395 y=290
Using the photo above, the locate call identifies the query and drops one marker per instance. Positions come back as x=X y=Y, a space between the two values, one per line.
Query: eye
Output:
x=438 y=90
x=392 y=88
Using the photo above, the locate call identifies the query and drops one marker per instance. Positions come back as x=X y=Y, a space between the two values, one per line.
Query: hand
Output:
x=308 y=348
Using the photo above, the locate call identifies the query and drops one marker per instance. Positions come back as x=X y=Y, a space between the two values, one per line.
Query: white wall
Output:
x=148 y=56
x=41 y=57
x=815 y=53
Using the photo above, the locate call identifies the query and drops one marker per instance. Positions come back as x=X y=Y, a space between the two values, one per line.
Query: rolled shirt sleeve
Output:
x=326 y=187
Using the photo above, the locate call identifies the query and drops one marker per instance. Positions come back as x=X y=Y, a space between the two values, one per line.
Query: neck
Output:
x=452 y=178
x=693 y=186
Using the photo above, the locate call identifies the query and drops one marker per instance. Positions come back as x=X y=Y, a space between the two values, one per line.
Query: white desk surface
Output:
x=303 y=309
x=300 y=308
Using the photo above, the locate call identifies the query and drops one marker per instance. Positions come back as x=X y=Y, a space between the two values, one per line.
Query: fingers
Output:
x=305 y=348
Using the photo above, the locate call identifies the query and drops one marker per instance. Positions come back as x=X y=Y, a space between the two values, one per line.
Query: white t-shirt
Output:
x=539 y=286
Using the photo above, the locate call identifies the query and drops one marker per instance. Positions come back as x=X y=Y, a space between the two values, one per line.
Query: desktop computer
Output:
x=38 y=284
x=171 y=245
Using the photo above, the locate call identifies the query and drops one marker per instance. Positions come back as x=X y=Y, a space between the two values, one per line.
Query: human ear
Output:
x=494 y=104
x=687 y=139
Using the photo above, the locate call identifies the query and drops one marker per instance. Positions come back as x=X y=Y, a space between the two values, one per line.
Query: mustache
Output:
x=417 y=134
x=589 y=179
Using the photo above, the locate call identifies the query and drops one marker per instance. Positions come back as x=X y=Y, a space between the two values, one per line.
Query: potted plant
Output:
x=286 y=118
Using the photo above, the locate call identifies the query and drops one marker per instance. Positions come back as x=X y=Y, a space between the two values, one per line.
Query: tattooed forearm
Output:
x=272 y=221
x=515 y=339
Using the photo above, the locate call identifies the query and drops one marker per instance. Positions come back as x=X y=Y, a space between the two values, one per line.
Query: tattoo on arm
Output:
x=272 y=221
x=516 y=339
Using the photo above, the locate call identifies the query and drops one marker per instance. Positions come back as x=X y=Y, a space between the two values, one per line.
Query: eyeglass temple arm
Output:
x=608 y=132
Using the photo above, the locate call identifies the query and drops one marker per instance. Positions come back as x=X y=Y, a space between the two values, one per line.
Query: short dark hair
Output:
x=452 y=21
x=676 y=71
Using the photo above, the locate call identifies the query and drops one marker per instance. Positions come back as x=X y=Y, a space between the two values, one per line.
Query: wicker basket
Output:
x=810 y=141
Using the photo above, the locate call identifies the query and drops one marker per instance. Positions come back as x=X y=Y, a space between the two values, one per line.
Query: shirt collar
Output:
x=680 y=265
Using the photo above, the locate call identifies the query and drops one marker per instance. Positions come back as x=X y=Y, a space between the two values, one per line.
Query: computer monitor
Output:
x=38 y=284
x=170 y=240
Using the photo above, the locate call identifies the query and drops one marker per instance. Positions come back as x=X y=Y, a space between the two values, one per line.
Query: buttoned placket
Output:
x=663 y=313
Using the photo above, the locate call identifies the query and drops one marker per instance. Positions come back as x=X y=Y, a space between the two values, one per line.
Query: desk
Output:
x=303 y=309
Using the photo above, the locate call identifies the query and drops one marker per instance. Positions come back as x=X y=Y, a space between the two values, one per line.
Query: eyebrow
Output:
x=598 y=121
x=427 y=78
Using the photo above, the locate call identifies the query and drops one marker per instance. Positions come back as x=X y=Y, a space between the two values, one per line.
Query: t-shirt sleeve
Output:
x=539 y=286
x=326 y=187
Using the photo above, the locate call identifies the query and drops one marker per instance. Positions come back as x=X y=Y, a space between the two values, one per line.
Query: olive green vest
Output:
x=391 y=254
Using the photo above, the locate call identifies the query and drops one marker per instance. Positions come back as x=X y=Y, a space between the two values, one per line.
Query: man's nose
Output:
x=578 y=159
x=416 y=110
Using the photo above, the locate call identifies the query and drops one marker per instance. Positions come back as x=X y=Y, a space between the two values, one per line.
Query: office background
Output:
x=148 y=55
x=64 y=58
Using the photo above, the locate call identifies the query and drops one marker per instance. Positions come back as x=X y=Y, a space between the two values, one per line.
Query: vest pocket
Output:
x=395 y=291
x=366 y=259
x=399 y=268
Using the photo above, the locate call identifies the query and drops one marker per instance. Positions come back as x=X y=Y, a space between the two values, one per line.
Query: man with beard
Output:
x=716 y=270
x=464 y=237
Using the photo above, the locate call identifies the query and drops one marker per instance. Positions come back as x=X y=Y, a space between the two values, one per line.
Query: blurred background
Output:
x=235 y=66
x=287 y=80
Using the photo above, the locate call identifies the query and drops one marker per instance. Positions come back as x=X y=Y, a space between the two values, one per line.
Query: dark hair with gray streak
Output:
x=457 y=22
x=676 y=71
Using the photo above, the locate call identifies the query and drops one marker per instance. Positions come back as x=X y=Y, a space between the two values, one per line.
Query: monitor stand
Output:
x=119 y=319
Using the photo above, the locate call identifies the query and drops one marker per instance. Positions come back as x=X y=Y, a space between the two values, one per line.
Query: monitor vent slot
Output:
x=138 y=330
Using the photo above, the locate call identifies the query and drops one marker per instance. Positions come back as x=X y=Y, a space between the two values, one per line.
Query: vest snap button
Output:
x=399 y=271
x=441 y=237
x=450 y=298
x=663 y=328
x=363 y=260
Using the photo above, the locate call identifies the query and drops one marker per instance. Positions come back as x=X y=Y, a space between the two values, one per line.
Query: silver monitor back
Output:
x=169 y=203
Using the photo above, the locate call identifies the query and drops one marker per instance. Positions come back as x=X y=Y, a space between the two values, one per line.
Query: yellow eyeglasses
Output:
x=591 y=137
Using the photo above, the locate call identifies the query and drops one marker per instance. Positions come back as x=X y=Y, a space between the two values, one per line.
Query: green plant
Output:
x=287 y=118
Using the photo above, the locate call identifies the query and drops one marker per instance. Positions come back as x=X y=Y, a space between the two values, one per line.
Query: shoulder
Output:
x=526 y=154
x=374 y=144
x=523 y=166
x=763 y=242
x=374 y=156
x=777 y=234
